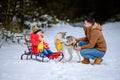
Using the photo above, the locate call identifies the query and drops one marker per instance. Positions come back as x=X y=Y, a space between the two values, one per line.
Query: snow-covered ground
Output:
x=12 y=68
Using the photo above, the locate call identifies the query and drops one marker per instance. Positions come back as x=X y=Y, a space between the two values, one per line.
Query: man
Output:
x=93 y=45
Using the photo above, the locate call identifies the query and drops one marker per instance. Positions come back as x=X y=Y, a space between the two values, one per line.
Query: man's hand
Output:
x=78 y=48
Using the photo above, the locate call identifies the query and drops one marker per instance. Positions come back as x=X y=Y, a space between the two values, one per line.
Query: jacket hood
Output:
x=97 y=27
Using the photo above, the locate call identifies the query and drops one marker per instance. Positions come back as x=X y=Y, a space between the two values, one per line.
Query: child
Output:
x=39 y=46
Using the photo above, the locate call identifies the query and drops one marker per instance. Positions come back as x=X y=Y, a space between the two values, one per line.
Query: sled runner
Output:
x=40 y=57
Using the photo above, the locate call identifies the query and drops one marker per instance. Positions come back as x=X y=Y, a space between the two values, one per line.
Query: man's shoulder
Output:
x=96 y=32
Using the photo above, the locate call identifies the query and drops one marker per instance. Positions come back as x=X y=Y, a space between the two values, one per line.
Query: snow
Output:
x=12 y=68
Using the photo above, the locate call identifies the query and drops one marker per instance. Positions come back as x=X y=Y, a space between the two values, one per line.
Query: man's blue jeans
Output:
x=90 y=53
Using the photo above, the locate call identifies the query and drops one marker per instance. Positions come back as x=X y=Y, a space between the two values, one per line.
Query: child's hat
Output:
x=36 y=29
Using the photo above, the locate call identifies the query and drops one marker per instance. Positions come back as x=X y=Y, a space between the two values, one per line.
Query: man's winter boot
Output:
x=85 y=61
x=98 y=61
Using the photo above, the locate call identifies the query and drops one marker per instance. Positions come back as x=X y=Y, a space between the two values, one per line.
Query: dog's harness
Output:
x=58 y=44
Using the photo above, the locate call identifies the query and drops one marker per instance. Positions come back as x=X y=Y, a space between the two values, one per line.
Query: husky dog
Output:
x=62 y=43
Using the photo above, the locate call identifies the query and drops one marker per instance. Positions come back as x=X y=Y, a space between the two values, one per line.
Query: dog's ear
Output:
x=59 y=32
x=69 y=37
x=74 y=37
x=65 y=33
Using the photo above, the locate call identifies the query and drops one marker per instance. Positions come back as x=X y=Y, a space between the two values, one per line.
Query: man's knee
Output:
x=82 y=52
